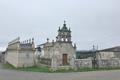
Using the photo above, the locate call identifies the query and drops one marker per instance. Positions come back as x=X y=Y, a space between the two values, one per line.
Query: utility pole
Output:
x=94 y=57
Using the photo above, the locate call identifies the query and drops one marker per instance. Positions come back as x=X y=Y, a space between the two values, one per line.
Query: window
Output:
x=62 y=39
x=66 y=40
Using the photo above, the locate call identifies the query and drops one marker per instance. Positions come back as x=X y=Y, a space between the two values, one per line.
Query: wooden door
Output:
x=64 y=59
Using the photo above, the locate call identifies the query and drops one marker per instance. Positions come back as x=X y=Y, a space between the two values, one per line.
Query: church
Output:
x=55 y=54
x=20 y=53
x=61 y=52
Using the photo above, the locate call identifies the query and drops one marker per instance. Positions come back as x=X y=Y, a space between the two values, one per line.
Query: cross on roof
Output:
x=64 y=22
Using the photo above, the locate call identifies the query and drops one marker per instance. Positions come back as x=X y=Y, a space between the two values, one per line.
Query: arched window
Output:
x=62 y=39
x=66 y=39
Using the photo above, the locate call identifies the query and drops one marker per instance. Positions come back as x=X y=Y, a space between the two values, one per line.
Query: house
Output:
x=109 y=57
x=109 y=53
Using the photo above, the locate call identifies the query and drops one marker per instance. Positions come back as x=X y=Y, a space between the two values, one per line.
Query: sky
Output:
x=93 y=22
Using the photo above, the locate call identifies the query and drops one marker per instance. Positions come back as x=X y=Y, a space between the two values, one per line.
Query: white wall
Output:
x=12 y=57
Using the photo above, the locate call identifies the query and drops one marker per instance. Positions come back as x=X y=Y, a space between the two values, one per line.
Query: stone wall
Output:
x=109 y=63
x=25 y=58
x=83 y=63
x=45 y=61
x=12 y=57
x=20 y=54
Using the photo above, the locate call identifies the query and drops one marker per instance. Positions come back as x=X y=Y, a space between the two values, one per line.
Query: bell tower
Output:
x=64 y=34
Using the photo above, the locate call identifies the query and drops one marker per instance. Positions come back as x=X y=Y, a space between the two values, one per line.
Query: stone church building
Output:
x=59 y=53
x=20 y=54
x=62 y=51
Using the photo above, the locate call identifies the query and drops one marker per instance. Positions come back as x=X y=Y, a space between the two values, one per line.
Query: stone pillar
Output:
x=54 y=64
x=72 y=62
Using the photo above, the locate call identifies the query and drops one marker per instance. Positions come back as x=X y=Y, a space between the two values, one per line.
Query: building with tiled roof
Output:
x=109 y=53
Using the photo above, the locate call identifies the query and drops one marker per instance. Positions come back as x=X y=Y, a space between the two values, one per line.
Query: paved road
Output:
x=21 y=75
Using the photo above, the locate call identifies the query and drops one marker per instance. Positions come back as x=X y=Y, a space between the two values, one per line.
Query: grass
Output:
x=61 y=70
x=8 y=66
x=32 y=69
x=96 y=69
x=35 y=69
x=44 y=69
x=65 y=70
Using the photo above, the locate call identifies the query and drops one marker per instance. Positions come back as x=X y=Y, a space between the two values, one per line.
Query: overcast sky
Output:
x=91 y=21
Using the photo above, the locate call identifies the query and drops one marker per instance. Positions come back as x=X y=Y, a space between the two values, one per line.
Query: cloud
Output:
x=2 y=48
x=91 y=21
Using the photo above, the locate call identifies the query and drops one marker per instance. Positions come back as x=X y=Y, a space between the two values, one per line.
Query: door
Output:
x=64 y=59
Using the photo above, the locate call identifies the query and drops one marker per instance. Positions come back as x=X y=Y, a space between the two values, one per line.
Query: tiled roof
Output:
x=113 y=49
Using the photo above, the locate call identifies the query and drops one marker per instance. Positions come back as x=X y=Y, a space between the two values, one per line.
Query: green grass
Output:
x=61 y=70
x=32 y=69
x=95 y=69
x=8 y=66
x=35 y=69
x=65 y=70
x=86 y=69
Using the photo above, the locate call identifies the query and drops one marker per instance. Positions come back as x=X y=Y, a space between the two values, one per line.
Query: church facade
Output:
x=61 y=51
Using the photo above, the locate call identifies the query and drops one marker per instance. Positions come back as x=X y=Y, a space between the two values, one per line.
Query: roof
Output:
x=113 y=49
x=64 y=28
